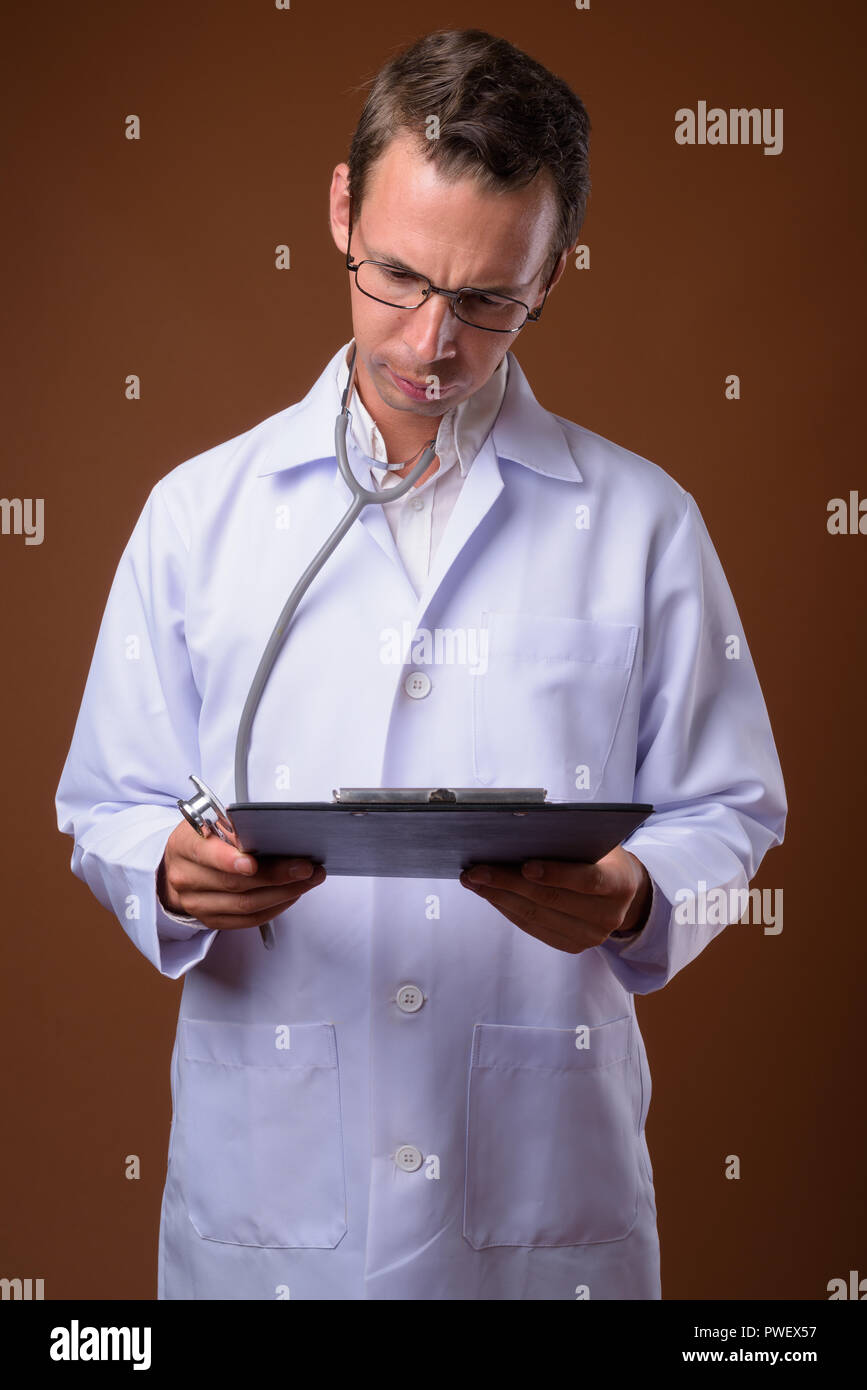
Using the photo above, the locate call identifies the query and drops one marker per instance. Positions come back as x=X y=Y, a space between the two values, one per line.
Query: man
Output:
x=427 y=1089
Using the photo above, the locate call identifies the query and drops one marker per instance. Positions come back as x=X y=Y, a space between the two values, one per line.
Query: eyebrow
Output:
x=509 y=291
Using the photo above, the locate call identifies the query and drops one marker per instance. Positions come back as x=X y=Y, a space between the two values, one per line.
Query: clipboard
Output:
x=433 y=832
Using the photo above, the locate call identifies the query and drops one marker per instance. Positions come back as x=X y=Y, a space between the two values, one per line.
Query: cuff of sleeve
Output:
x=658 y=914
x=176 y=925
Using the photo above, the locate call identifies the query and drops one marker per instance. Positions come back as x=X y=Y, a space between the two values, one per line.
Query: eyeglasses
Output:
x=403 y=289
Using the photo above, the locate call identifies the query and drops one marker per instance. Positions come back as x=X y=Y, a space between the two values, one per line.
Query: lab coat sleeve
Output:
x=135 y=744
x=706 y=760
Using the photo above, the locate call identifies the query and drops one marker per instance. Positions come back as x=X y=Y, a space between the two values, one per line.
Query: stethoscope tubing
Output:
x=361 y=498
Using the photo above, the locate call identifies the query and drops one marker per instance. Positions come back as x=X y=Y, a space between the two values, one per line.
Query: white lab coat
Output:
x=606 y=633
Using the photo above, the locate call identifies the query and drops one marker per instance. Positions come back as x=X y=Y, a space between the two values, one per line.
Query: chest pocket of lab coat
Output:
x=549 y=703
x=552 y=1136
x=258 y=1133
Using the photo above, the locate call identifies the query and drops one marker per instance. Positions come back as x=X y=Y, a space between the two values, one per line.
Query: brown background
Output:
x=156 y=257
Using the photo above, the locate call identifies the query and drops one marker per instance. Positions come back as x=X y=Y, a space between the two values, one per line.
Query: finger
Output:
x=189 y=880
x=282 y=868
x=563 y=930
x=239 y=870
x=589 y=879
x=271 y=874
x=261 y=896
x=250 y=908
x=212 y=852
x=583 y=906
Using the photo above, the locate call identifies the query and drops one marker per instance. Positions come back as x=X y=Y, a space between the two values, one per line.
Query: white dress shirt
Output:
x=418 y=520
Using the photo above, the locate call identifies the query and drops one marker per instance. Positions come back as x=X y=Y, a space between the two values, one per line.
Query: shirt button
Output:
x=408 y=1157
x=409 y=999
x=417 y=684
x=417 y=503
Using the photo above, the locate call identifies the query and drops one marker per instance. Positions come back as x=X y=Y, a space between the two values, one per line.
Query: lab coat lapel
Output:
x=523 y=432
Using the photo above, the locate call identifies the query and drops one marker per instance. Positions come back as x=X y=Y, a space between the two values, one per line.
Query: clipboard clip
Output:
x=424 y=796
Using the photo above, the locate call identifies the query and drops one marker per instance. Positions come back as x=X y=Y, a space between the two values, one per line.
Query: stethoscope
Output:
x=205 y=809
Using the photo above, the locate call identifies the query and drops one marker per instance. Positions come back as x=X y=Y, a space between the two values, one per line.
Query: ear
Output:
x=558 y=271
x=555 y=276
x=561 y=265
x=338 y=207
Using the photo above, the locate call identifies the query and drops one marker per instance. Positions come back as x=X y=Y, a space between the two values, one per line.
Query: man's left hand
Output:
x=569 y=906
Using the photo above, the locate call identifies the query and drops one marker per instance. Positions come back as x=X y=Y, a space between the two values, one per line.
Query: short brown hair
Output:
x=502 y=116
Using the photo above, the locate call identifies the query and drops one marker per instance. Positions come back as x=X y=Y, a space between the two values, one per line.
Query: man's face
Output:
x=457 y=235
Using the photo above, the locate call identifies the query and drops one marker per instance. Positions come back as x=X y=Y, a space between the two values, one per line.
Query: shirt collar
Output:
x=523 y=431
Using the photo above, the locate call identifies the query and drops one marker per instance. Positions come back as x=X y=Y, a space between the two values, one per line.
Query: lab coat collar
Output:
x=523 y=431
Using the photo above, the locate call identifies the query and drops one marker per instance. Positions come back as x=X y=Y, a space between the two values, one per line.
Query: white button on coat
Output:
x=409 y=999
x=602 y=623
x=408 y=1157
x=417 y=684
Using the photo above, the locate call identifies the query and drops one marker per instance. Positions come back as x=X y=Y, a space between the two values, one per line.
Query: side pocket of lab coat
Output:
x=259 y=1139
x=552 y=1136
x=549 y=701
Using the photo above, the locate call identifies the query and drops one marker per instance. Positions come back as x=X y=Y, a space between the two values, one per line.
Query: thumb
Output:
x=228 y=858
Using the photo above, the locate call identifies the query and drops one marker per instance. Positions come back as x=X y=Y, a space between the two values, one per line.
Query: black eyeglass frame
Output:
x=533 y=315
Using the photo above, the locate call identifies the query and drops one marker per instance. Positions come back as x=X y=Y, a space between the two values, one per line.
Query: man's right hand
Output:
x=198 y=877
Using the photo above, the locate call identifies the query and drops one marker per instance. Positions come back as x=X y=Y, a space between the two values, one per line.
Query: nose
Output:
x=432 y=329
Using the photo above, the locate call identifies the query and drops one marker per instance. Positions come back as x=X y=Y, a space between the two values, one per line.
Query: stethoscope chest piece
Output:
x=196 y=810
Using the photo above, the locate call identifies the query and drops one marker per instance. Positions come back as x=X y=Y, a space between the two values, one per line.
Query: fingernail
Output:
x=243 y=865
x=533 y=869
x=301 y=871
